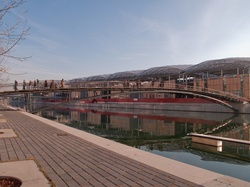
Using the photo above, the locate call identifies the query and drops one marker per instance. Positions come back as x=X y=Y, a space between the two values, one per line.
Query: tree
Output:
x=13 y=29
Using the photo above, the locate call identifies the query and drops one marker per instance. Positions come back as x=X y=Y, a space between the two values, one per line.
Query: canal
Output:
x=163 y=133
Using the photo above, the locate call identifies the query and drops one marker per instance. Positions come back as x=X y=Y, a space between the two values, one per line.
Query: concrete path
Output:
x=70 y=157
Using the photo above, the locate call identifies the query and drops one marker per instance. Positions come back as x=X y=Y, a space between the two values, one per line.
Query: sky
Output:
x=80 y=38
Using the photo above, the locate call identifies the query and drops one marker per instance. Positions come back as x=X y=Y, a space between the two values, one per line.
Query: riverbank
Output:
x=70 y=157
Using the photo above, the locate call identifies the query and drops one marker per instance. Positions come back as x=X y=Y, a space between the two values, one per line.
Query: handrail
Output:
x=217 y=92
x=153 y=85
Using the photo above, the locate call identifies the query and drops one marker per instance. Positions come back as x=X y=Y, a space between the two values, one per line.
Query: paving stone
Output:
x=108 y=183
x=71 y=161
x=115 y=180
x=73 y=184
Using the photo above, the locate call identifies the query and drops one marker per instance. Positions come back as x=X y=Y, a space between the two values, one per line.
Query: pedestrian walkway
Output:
x=70 y=157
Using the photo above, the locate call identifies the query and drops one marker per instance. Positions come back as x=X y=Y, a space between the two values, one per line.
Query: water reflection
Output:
x=138 y=128
x=165 y=133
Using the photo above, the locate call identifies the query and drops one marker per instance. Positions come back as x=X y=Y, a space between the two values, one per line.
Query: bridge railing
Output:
x=151 y=85
x=212 y=91
x=163 y=85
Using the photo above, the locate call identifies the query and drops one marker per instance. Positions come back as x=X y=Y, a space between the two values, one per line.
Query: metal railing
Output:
x=162 y=85
x=133 y=85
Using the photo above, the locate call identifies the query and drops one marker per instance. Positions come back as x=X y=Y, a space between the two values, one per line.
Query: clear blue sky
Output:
x=79 y=38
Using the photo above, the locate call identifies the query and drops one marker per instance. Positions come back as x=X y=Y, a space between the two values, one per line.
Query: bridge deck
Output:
x=226 y=96
x=222 y=98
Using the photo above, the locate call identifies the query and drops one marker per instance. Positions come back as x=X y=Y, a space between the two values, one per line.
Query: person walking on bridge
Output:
x=30 y=85
x=24 y=84
x=52 y=85
x=34 y=85
x=15 y=85
x=62 y=83
x=37 y=83
x=45 y=84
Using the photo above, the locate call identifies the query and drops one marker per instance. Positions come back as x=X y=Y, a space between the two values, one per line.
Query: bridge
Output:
x=216 y=96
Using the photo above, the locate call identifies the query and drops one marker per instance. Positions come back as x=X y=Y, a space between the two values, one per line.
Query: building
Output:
x=223 y=75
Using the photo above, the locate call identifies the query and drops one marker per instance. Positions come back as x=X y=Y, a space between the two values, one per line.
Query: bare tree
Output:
x=13 y=29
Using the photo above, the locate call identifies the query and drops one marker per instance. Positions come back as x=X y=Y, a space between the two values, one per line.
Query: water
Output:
x=223 y=165
x=165 y=133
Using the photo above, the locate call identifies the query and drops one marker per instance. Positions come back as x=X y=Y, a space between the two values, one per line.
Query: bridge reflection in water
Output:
x=165 y=133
